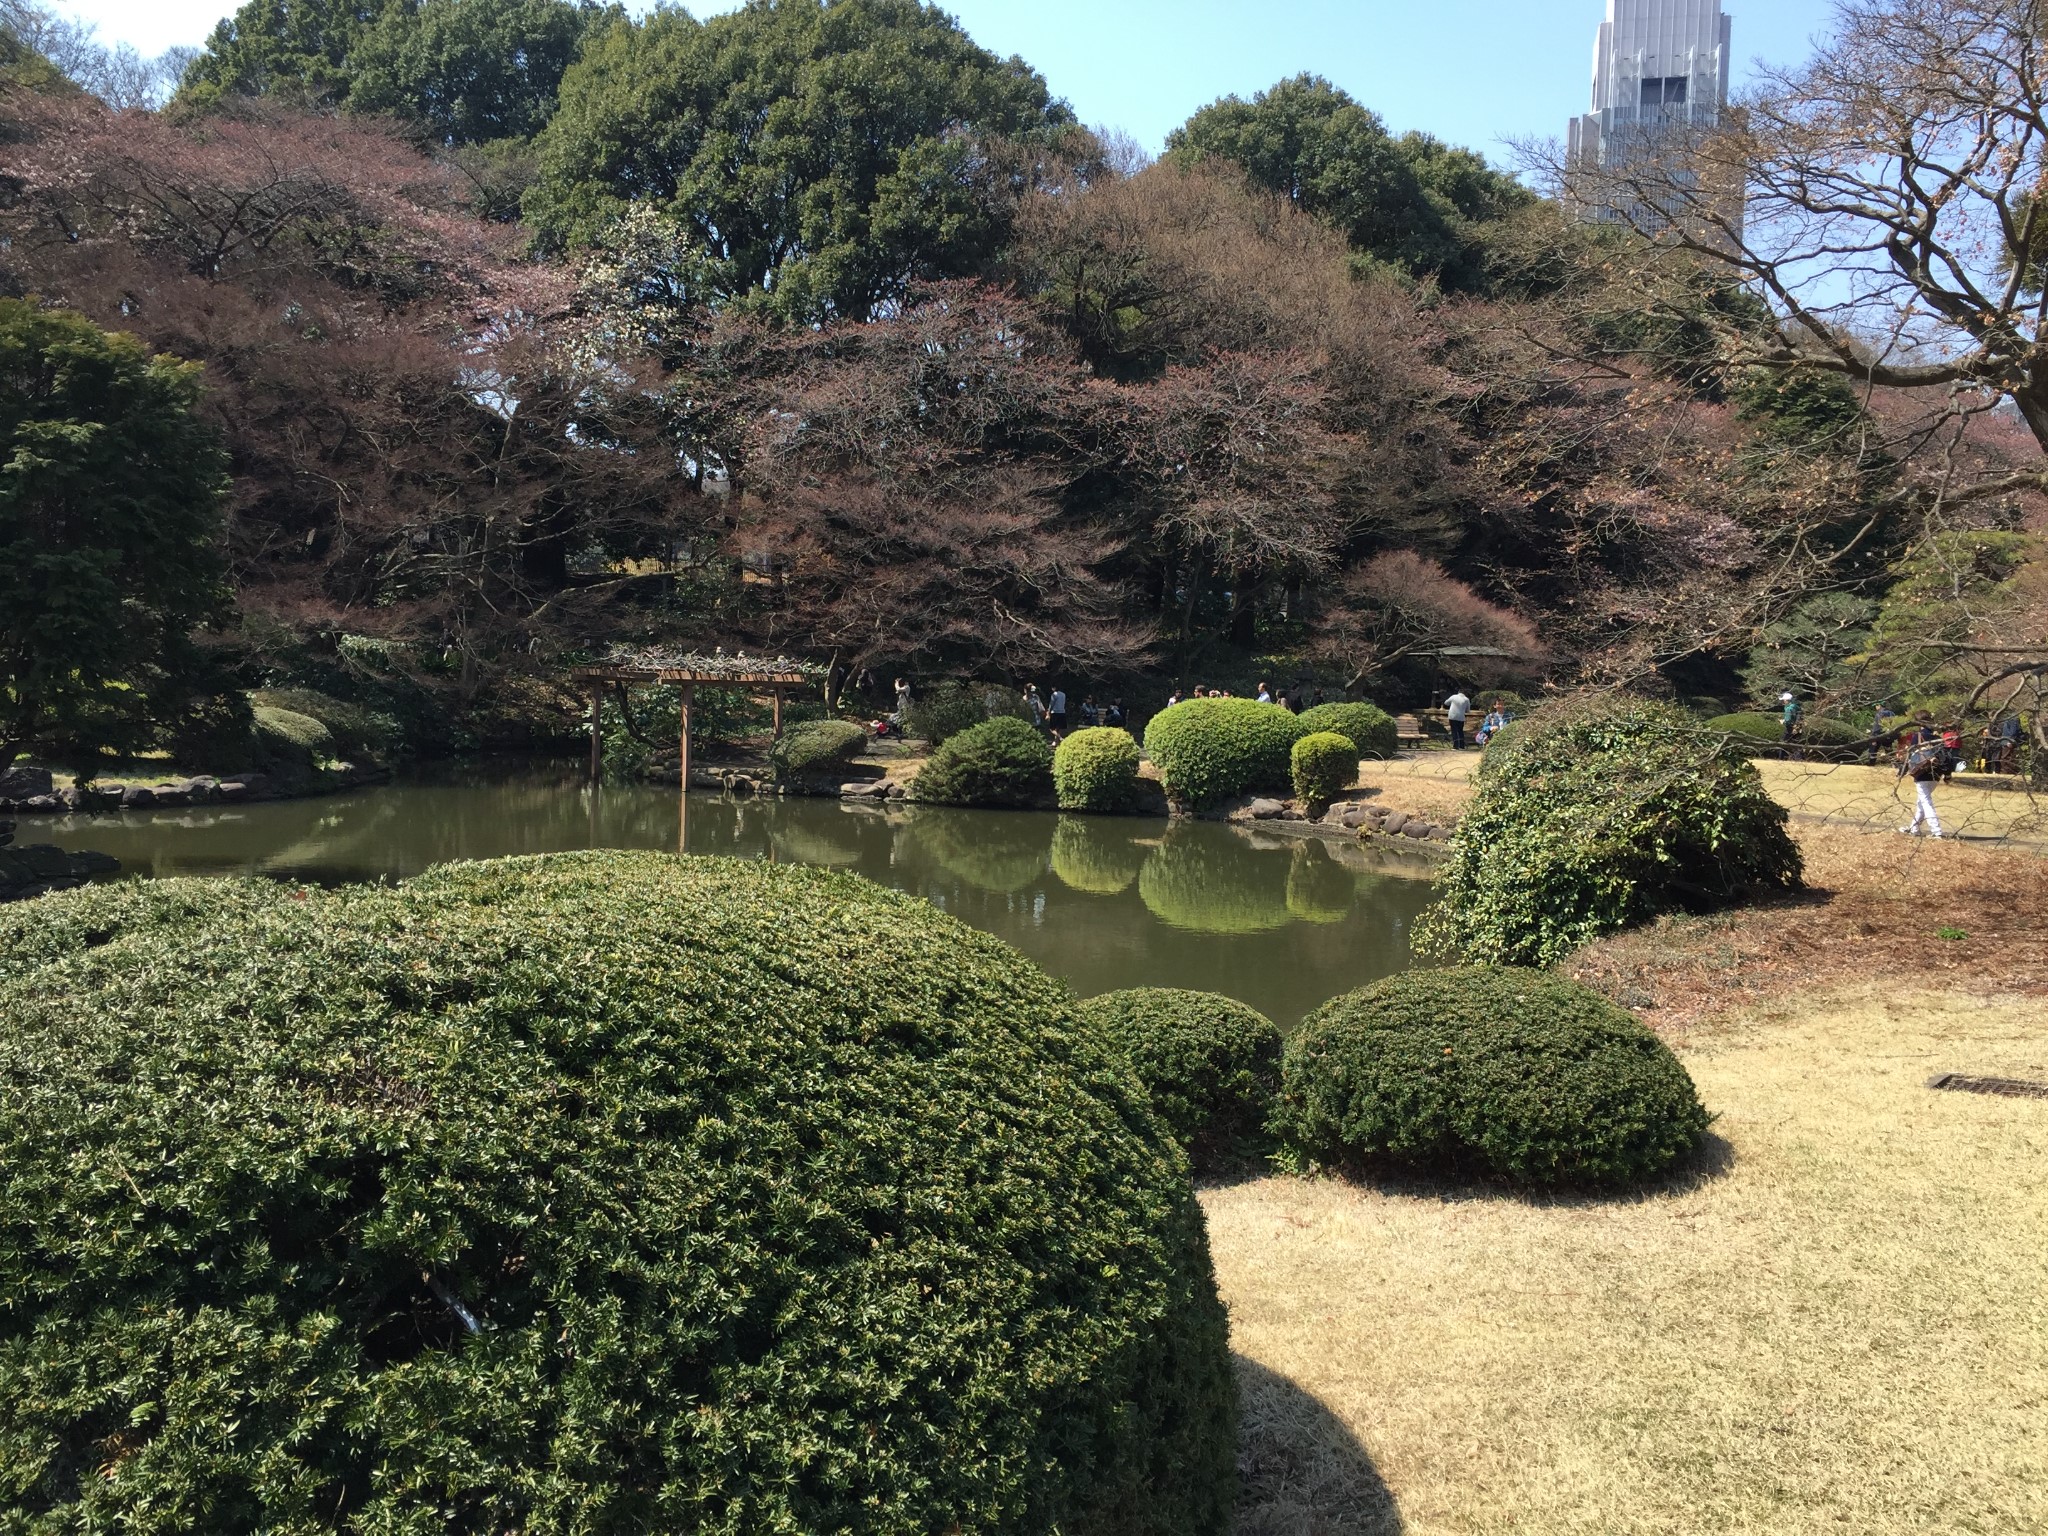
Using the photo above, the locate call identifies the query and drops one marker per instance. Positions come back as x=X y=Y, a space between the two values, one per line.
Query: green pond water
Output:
x=1103 y=903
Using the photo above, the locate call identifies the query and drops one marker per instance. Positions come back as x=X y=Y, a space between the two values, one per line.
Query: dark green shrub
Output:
x=997 y=763
x=1597 y=815
x=1097 y=770
x=778 y=1203
x=1210 y=1063
x=820 y=749
x=944 y=712
x=1508 y=1074
x=1324 y=766
x=1368 y=726
x=1209 y=750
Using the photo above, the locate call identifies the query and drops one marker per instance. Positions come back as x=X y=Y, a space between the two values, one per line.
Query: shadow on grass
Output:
x=1300 y=1471
x=1712 y=1161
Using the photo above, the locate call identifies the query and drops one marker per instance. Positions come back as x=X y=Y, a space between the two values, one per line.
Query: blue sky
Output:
x=1474 y=72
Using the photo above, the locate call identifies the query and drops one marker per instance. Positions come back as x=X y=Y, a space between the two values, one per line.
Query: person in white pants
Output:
x=1924 y=813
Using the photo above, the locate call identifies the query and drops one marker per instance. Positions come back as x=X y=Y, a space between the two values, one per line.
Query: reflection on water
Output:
x=1103 y=902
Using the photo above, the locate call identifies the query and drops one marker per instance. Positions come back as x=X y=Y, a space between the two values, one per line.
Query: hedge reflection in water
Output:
x=1104 y=903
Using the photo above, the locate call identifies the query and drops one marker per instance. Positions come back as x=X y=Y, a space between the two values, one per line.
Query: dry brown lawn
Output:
x=1839 y=1325
x=1843 y=1328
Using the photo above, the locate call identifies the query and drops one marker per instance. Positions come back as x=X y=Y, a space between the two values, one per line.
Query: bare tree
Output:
x=1893 y=222
x=1895 y=230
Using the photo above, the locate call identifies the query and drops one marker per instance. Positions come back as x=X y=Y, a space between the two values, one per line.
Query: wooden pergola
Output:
x=685 y=674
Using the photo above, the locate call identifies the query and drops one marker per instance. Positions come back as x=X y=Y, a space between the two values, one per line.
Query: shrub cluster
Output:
x=1598 y=815
x=354 y=731
x=1002 y=762
x=288 y=730
x=598 y=1192
x=1370 y=728
x=1754 y=725
x=1508 y=1074
x=943 y=712
x=1210 y=1063
x=1097 y=770
x=1324 y=765
x=819 y=747
x=1209 y=750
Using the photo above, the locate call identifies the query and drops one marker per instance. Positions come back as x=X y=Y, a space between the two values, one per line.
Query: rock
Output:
x=45 y=862
x=1291 y=814
x=1395 y=821
x=740 y=784
x=26 y=783
x=43 y=804
x=92 y=862
x=898 y=792
x=172 y=794
x=1267 y=810
x=233 y=789
x=1441 y=834
x=1418 y=830
x=137 y=797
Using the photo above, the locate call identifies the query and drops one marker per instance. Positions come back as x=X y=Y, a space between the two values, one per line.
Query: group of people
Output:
x=1294 y=700
x=1049 y=712
x=1458 y=715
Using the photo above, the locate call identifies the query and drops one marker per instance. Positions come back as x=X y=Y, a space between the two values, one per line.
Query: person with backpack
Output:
x=1923 y=763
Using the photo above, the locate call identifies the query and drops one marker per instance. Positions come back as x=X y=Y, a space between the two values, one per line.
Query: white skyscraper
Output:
x=1660 y=67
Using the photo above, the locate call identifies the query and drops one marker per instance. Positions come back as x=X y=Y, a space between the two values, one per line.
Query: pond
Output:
x=1104 y=903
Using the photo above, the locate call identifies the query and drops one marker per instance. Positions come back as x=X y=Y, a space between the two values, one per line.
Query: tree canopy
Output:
x=820 y=157
x=468 y=71
x=1411 y=202
x=110 y=525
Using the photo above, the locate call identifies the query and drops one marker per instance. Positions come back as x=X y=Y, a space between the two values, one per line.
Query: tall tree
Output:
x=1412 y=203
x=467 y=71
x=823 y=155
x=110 y=525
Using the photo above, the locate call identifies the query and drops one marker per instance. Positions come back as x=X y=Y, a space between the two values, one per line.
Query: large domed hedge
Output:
x=1208 y=750
x=1598 y=814
x=1210 y=1063
x=601 y=1193
x=1509 y=1074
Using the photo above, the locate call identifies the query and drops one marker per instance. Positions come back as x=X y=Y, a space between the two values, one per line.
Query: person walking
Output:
x=1922 y=764
x=902 y=716
x=1056 y=710
x=1034 y=706
x=1265 y=694
x=1788 y=716
x=1457 y=710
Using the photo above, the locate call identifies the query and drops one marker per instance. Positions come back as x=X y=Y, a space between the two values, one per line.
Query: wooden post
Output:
x=689 y=704
x=596 y=733
x=778 y=713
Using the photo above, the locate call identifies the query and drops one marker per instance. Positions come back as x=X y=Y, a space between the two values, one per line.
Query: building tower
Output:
x=1660 y=70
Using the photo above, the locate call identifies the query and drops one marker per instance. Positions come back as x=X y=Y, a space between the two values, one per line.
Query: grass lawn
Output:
x=1840 y=1326
x=1843 y=1329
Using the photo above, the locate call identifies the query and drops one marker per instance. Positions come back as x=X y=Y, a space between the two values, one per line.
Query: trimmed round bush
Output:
x=1598 y=815
x=602 y=1192
x=1096 y=770
x=1324 y=766
x=820 y=747
x=1095 y=857
x=1368 y=726
x=997 y=763
x=1489 y=1073
x=296 y=731
x=1209 y=750
x=1210 y=1063
x=354 y=730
